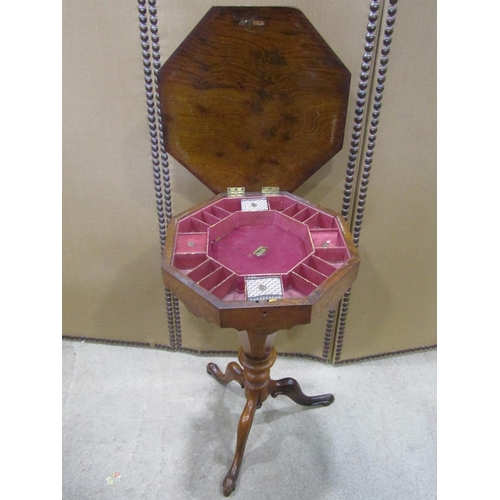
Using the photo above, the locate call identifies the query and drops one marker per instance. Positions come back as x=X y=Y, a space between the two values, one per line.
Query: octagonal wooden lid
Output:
x=253 y=97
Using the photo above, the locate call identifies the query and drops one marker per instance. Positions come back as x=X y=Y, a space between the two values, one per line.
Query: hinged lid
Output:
x=253 y=97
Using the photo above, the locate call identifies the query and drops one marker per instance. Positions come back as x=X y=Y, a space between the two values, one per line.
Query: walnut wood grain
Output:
x=253 y=97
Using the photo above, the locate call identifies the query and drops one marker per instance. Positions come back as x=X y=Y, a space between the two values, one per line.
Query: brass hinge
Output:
x=236 y=191
x=270 y=190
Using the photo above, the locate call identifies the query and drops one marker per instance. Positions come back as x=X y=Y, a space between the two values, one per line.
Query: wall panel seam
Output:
x=376 y=94
x=364 y=97
x=161 y=176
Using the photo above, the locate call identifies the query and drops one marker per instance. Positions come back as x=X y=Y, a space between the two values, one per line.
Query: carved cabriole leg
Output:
x=244 y=427
x=291 y=388
x=233 y=372
x=256 y=373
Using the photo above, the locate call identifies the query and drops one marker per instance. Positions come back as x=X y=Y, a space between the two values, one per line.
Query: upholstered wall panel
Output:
x=112 y=287
x=392 y=306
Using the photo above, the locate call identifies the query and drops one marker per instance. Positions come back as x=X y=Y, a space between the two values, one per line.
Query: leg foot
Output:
x=291 y=388
x=233 y=372
x=244 y=427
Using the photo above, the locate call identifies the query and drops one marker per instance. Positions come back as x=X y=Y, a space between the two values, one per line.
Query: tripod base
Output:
x=254 y=376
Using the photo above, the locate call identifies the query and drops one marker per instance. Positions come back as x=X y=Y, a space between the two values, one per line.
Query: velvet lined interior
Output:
x=215 y=246
x=233 y=243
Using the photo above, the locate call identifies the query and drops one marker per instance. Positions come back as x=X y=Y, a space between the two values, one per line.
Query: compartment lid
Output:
x=253 y=97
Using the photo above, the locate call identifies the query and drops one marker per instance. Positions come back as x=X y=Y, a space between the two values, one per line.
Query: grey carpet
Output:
x=169 y=429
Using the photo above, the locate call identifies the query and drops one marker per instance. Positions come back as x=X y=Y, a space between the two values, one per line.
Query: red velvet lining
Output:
x=215 y=246
x=235 y=250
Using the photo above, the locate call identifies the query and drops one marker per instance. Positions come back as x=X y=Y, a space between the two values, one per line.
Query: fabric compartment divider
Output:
x=219 y=212
x=321 y=265
x=301 y=284
x=322 y=221
x=206 y=217
x=214 y=278
x=310 y=274
x=304 y=214
x=276 y=203
x=188 y=261
x=192 y=225
x=230 y=204
x=330 y=237
x=335 y=255
x=226 y=286
x=293 y=209
x=204 y=269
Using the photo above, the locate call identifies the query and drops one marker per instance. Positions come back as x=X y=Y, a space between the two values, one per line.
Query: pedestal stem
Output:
x=255 y=345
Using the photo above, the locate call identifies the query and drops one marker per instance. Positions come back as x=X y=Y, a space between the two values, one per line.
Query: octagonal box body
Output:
x=254 y=97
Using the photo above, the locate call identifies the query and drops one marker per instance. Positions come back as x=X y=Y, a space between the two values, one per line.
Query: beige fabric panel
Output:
x=393 y=302
x=112 y=286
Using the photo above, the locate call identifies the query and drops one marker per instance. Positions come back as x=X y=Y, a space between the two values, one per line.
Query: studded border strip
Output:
x=201 y=352
x=161 y=175
x=364 y=78
x=93 y=340
x=146 y=55
x=387 y=354
x=153 y=19
x=359 y=118
x=327 y=342
x=367 y=162
x=377 y=105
